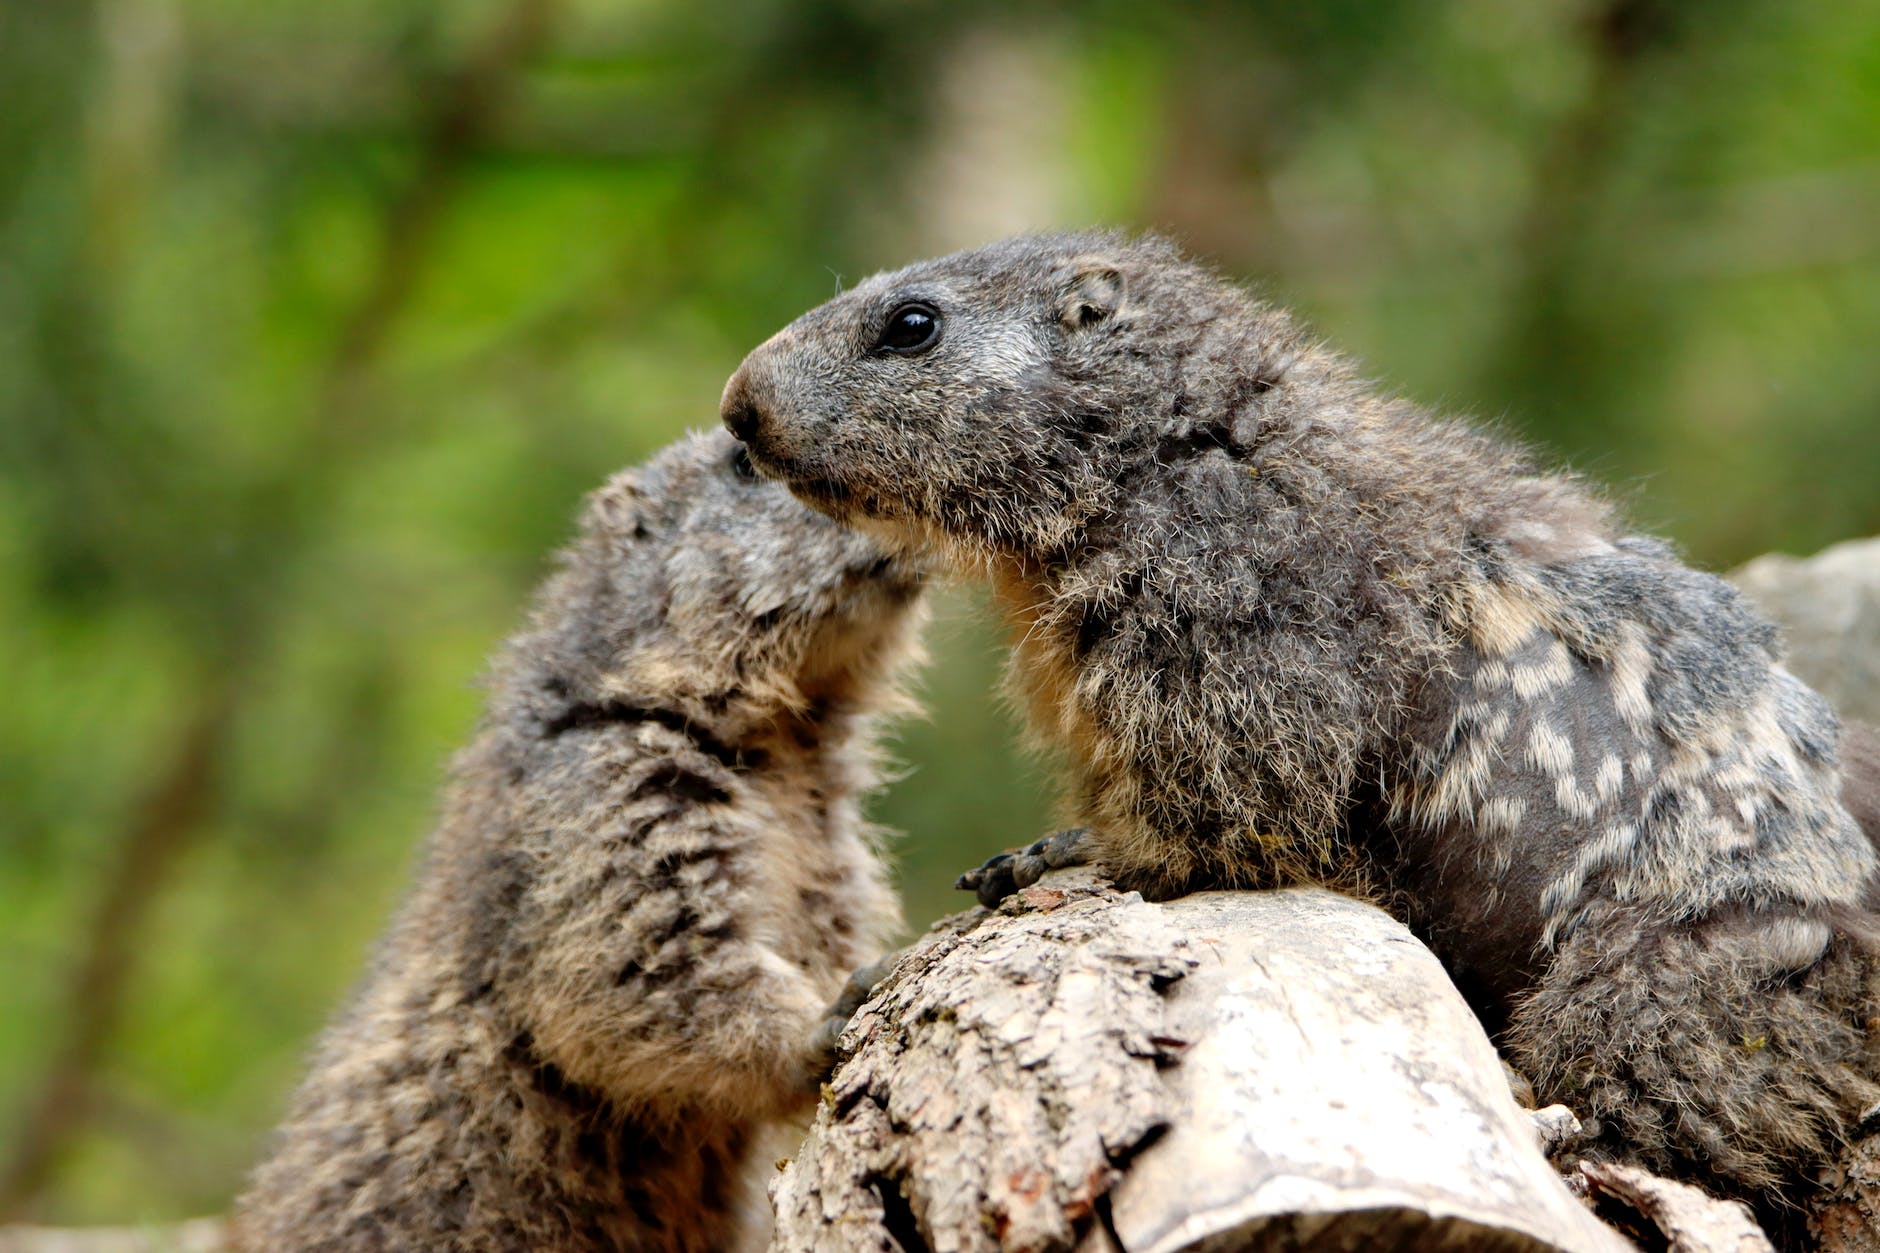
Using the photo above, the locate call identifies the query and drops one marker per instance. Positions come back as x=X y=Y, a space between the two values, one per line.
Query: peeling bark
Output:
x=1690 y=1220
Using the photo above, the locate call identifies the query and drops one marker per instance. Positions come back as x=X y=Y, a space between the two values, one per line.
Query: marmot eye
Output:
x=741 y=465
x=910 y=329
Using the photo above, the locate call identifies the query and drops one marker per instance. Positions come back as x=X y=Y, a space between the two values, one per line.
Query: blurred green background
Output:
x=316 y=320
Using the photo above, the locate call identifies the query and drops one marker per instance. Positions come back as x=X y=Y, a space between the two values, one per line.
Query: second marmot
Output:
x=650 y=881
x=1291 y=629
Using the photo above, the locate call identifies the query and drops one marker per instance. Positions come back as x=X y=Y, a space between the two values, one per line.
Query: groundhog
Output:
x=649 y=882
x=1289 y=629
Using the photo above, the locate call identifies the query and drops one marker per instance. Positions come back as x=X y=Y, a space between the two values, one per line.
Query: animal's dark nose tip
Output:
x=741 y=415
x=742 y=419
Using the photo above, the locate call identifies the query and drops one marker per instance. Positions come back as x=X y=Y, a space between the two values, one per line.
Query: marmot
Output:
x=1290 y=629
x=650 y=880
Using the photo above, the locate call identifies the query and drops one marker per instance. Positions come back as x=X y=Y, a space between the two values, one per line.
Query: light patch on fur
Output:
x=1553 y=670
x=1609 y=778
x=1549 y=750
x=1491 y=676
x=1501 y=815
x=1573 y=801
x=1501 y=619
x=1631 y=670
x=1498 y=821
x=1464 y=778
x=1525 y=537
x=1007 y=358
x=1559 y=523
x=1614 y=843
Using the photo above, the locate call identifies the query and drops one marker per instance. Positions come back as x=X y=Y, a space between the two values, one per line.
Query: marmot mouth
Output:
x=790 y=475
x=826 y=490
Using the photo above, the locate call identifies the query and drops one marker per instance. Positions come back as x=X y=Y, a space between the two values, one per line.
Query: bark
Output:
x=1688 y=1220
x=1847 y=1218
x=1085 y=1070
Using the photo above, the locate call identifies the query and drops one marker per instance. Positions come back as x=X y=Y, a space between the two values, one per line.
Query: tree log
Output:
x=1085 y=1070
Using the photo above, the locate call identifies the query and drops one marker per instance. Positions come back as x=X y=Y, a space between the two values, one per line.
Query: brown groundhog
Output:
x=1288 y=629
x=651 y=878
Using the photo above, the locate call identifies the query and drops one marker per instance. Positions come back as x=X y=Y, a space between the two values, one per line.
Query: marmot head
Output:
x=700 y=588
x=988 y=402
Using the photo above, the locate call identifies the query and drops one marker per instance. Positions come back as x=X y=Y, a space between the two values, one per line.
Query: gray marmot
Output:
x=1286 y=628
x=650 y=879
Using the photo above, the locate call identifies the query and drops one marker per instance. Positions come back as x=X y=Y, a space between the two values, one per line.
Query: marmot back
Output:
x=1291 y=629
x=651 y=878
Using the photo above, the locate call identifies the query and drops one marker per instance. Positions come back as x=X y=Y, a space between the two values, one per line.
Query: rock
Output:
x=1828 y=606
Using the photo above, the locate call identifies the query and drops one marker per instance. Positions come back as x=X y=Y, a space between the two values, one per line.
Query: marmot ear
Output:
x=618 y=507
x=1094 y=293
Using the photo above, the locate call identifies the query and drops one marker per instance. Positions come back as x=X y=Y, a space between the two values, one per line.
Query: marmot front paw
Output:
x=1005 y=873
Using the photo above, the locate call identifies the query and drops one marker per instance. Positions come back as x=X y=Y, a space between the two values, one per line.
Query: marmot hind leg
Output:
x=824 y=1055
x=1734 y=1050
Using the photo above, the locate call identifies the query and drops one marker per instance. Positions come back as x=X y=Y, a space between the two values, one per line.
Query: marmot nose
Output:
x=741 y=415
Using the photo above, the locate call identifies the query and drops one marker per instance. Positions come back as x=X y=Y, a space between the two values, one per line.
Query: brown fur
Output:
x=1290 y=628
x=650 y=880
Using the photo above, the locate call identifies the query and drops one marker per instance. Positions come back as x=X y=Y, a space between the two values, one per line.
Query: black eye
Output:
x=741 y=465
x=910 y=329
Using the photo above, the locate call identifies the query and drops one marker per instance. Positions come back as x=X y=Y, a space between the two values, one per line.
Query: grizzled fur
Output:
x=1289 y=628
x=651 y=878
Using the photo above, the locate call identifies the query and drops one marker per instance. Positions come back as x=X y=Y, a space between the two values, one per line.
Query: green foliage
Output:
x=317 y=320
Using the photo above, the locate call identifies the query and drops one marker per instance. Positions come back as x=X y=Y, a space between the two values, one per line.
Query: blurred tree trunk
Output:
x=159 y=831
